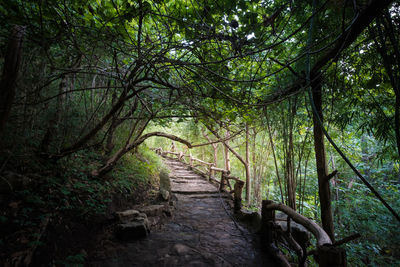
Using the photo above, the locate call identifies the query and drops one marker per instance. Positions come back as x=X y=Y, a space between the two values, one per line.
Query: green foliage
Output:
x=136 y=170
x=220 y=62
x=361 y=212
x=76 y=260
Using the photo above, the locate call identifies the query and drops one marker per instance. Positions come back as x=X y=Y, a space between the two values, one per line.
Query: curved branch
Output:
x=319 y=233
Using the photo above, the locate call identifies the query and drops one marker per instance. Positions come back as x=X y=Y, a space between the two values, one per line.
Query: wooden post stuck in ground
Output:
x=237 y=197
x=223 y=182
x=212 y=172
x=267 y=221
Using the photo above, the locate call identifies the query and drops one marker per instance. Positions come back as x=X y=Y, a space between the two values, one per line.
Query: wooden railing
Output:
x=210 y=172
x=326 y=253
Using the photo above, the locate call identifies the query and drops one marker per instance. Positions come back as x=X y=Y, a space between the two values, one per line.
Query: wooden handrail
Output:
x=232 y=178
x=319 y=233
x=327 y=253
x=202 y=161
x=218 y=169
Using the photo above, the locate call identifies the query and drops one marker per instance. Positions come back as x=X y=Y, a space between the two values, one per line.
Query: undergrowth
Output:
x=64 y=193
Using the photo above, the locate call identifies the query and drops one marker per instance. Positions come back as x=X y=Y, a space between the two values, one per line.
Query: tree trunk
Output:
x=226 y=153
x=273 y=154
x=289 y=157
x=110 y=137
x=290 y=177
x=322 y=168
x=247 y=166
x=256 y=176
x=214 y=146
x=10 y=73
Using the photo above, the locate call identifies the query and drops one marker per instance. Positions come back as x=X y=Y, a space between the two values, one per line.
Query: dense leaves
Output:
x=95 y=76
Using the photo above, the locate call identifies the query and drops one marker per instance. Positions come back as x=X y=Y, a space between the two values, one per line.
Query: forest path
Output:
x=200 y=233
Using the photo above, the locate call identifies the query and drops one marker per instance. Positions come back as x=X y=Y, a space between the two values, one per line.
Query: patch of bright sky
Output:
x=250 y=36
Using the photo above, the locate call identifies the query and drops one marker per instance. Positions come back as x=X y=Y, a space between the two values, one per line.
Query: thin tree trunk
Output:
x=289 y=156
x=275 y=162
x=10 y=74
x=290 y=177
x=322 y=168
x=304 y=182
x=256 y=177
x=214 y=146
x=110 y=137
x=247 y=166
x=226 y=153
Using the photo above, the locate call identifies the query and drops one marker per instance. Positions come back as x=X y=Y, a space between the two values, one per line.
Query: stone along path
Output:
x=200 y=233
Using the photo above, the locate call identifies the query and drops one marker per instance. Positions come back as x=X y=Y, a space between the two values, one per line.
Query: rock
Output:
x=164 y=180
x=167 y=211
x=181 y=249
x=133 y=230
x=164 y=194
x=154 y=220
x=127 y=215
x=152 y=210
x=133 y=225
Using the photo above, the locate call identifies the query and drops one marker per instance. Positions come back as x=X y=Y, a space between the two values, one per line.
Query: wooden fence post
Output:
x=222 y=183
x=267 y=221
x=209 y=173
x=237 y=197
x=212 y=172
x=190 y=159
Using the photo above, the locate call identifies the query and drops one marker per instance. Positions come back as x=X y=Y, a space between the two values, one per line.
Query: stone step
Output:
x=189 y=182
x=184 y=175
x=188 y=177
x=222 y=195
x=201 y=184
x=195 y=192
x=180 y=181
